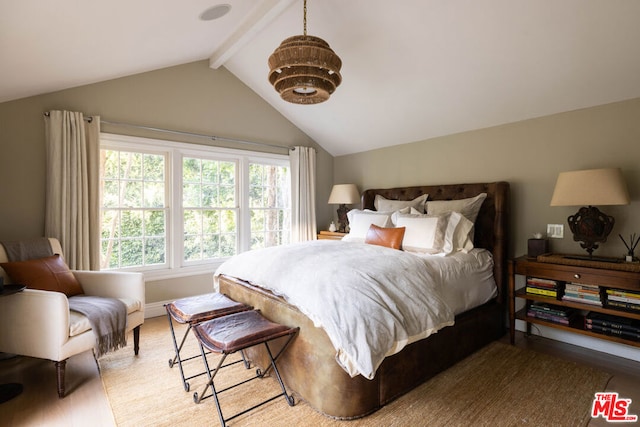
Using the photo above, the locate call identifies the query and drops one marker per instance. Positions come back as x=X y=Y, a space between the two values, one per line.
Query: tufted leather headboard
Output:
x=492 y=224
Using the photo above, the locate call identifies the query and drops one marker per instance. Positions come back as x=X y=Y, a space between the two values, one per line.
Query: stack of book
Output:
x=543 y=287
x=623 y=299
x=579 y=292
x=613 y=325
x=551 y=313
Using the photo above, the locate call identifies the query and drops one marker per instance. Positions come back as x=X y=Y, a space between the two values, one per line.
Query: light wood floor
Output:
x=86 y=402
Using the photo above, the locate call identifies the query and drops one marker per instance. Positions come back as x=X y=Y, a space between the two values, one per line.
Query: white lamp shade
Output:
x=344 y=194
x=592 y=187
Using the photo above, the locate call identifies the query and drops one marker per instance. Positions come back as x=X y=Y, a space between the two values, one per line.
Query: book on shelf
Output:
x=544 y=287
x=583 y=293
x=552 y=309
x=539 y=291
x=623 y=299
x=623 y=293
x=593 y=297
x=543 y=283
x=556 y=314
x=581 y=288
x=582 y=299
x=620 y=305
x=611 y=321
x=613 y=331
x=548 y=317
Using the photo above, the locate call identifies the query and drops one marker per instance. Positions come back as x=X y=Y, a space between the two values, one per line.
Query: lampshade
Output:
x=346 y=194
x=304 y=69
x=592 y=187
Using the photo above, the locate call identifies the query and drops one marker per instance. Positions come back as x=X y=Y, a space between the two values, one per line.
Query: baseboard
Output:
x=155 y=309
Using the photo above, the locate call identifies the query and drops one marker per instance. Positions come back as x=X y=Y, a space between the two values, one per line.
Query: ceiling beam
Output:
x=259 y=18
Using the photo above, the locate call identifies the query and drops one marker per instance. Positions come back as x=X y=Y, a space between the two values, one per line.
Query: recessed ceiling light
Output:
x=215 y=12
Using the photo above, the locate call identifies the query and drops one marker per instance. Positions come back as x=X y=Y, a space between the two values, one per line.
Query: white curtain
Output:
x=72 y=211
x=303 y=194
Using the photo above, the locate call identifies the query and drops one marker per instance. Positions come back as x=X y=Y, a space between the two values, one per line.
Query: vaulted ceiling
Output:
x=412 y=69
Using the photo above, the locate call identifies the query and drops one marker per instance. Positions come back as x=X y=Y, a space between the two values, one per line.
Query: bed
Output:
x=309 y=366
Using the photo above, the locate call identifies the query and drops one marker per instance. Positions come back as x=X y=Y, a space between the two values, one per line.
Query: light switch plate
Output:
x=555 y=231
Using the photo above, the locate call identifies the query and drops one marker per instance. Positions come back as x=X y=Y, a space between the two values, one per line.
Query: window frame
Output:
x=175 y=151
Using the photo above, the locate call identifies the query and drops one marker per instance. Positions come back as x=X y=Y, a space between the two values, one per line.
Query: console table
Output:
x=605 y=276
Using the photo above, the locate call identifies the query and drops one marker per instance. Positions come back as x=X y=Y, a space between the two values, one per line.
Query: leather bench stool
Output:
x=193 y=310
x=236 y=332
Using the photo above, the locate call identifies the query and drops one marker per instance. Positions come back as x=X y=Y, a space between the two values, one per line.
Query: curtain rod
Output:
x=179 y=132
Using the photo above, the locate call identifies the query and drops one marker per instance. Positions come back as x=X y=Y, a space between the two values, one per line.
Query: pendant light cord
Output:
x=304 y=10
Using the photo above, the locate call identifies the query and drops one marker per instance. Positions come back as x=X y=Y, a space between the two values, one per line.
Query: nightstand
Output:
x=331 y=235
x=608 y=281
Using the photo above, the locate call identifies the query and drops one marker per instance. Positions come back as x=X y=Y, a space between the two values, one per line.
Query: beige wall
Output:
x=528 y=154
x=190 y=97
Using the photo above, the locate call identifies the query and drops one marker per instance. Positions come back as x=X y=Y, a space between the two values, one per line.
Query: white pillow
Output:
x=393 y=215
x=467 y=207
x=436 y=234
x=360 y=221
x=420 y=233
x=385 y=205
x=352 y=212
x=457 y=236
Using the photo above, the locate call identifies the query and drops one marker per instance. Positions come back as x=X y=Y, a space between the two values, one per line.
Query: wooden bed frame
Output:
x=308 y=366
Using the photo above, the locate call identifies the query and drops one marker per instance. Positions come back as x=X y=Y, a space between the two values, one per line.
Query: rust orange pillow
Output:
x=381 y=236
x=47 y=274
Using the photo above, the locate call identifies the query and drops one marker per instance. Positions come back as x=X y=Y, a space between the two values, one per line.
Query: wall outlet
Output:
x=555 y=231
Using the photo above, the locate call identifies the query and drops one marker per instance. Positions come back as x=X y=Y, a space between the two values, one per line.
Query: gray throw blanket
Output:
x=21 y=250
x=108 y=319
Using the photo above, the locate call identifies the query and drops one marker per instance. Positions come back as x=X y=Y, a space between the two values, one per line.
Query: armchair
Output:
x=39 y=324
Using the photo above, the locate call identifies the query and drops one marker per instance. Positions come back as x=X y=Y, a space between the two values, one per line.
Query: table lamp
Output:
x=590 y=187
x=343 y=194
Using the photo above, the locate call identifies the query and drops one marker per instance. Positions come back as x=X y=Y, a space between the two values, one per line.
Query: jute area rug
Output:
x=500 y=385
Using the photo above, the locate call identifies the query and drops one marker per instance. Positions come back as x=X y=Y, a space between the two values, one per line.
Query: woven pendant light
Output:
x=304 y=69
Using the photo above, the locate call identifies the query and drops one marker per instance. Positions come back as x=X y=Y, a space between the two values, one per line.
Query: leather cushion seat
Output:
x=238 y=331
x=199 y=308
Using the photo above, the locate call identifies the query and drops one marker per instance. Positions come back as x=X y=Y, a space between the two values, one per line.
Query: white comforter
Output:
x=372 y=301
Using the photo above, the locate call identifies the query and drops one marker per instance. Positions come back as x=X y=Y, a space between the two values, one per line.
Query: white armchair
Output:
x=39 y=323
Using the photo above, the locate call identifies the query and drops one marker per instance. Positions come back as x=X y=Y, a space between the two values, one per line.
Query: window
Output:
x=171 y=208
x=134 y=216
x=209 y=208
